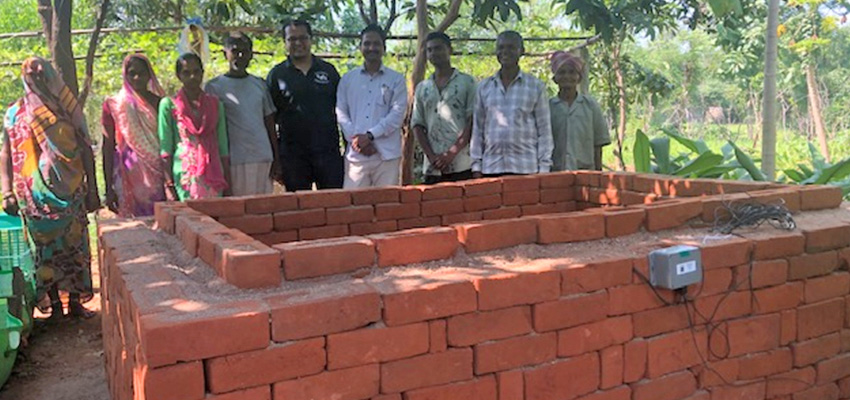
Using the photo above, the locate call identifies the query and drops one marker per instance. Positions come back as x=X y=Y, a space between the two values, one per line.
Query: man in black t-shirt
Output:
x=303 y=89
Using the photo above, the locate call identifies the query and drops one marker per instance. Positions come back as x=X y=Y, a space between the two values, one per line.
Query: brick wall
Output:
x=771 y=319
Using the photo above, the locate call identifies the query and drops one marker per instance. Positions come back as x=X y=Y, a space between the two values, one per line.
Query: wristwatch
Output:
x=370 y=136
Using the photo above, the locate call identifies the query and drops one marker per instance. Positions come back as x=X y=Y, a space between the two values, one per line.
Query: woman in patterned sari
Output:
x=47 y=173
x=132 y=168
x=193 y=137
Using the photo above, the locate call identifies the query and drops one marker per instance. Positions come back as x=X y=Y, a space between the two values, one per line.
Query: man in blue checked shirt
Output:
x=511 y=130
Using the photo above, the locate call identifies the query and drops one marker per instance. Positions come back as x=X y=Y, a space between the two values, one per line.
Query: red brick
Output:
x=634 y=355
x=415 y=245
x=554 y=180
x=273 y=238
x=257 y=393
x=564 y=379
x=502 y=213
x=348 y=384
x=442 y=207
x=418 y=222
x=630 y=198
x=270 y=204
x=845 y=340
x=604 y=196
x=829 y=236
x=778 y=298
x=219 y=207
x=722 y=306
x=209 y=240
x=814 y=350
x=790 y=382
x=327 y=198
x=442 y=191
x=482 y=187
x=515 y=352
x=651 y=183
x=778 y=245
x=309 y=259
x=570 y=311
x=660 y=320
x=419 y=301
x=249 y=265
x=521 y=198
x=410 y=194
x=572 y=227
x=177 y=382
x=541 y=209
x=481 y=203
x=583 y=278
x=376 y=345
x=478 y=327
x=189 y=227
x=349 y=215
x=323 y=232
x=833 y=369
x=630 y=299
x=725 y=254
x=670 y=387
x=375 y=195
x=262 y=367
x=520 y=183
x=691 y=187
x=437 y=336
x=173 y=336
x=557 y=195
x=754 y=334
x=715 y=281
x=617 y=180
x=718 y=373
x=818 y=197
x=461 y=218
x=789 y=198
x=619 y=393
x=396 y=211
x=739 y=392
x=762 y=273
x=298 y=317
x=594 y=336
x=788 y=327
x=823 y=392
x=622 y=223
x=827 y=287
x=394 y=396
x=289 y=220
x=675 y=352
x=446 y=367
x=250 y=223
x=820 y=318
x=511 y=289
x=764 y=364
x=611 y=359
x=671 y=214
x=483 y=388
x=588 y=178
x=369 y=228
x=491 y=235
x=510 y=385
x=843 y=387
x=164 y=213
x=844 y=258
x=714 y=207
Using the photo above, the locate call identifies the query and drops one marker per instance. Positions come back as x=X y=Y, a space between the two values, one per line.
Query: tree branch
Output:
x=95 y=37
x=392 y=17
x=362 y=8
x=373 y=11
x=45 y=11
x=451 y=16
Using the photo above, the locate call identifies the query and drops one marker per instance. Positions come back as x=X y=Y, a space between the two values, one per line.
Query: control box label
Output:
x=686 y=267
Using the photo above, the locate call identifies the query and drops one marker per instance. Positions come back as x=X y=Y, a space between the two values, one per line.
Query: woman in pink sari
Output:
x=133 y=169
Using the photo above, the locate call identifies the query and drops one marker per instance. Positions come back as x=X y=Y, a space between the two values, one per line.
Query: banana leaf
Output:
x=641 y=152
x=661 y=151
x=705 y=161
x=835 y=172
x=697 y=146
x=747 y=163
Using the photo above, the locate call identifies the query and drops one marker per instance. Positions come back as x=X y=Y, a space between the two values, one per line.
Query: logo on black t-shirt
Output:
x=322 y=78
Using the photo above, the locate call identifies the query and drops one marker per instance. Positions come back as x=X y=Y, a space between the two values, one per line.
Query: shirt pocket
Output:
x=386 y=95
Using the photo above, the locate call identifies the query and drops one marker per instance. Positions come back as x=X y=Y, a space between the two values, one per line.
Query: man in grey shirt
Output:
x=511 y=129
x=249 y=112
x=370 y=106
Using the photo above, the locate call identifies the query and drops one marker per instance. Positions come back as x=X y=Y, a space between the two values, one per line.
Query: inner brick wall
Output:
x=771 y=319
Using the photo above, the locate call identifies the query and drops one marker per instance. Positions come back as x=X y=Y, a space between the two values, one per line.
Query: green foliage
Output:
x=820 y=172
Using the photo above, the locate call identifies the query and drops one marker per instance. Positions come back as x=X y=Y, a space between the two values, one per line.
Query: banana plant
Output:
x=653 y=155
x=820 y=172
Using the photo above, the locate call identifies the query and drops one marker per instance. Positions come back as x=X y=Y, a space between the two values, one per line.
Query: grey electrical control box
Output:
x=675 y=267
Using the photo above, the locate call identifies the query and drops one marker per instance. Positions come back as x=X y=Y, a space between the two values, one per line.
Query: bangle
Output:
x=8 y=195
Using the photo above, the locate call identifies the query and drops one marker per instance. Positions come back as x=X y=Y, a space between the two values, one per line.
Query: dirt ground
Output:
x=62 y=362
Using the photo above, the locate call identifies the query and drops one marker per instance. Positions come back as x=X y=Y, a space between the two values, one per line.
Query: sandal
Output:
x=76 y=310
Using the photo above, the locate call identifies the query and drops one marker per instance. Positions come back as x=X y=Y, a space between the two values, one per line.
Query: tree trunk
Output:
x=768 y=121
x=815 y=110
x=60 y=48
x=621 y=94
x=417 y=75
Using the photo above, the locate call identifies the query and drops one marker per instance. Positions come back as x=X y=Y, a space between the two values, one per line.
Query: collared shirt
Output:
x=305 y=106
x=577 y=129
x=444 y=114
x=511 y=131
x=246 y=105
x=375 y=104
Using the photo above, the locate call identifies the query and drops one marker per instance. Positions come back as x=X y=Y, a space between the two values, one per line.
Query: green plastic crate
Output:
x=10 y=340
x=17 y=270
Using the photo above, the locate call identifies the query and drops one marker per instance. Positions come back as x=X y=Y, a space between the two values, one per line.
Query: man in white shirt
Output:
x=371 y=102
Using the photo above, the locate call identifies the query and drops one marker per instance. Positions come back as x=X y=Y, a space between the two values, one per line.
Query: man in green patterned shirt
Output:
x=442 y=115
